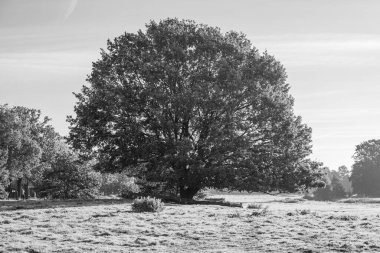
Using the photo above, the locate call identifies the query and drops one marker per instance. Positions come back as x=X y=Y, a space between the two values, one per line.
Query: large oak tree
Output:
x=194 y=108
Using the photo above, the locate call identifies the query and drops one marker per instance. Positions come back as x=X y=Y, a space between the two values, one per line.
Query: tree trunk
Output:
x=26 y=189
x=9 y=189
x=188 y=193
x=19 y=188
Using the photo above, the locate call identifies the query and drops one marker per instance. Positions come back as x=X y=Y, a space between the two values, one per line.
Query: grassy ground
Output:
x=104 y=226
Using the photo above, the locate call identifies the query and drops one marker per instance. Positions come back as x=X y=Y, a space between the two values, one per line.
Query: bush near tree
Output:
x=192 y=107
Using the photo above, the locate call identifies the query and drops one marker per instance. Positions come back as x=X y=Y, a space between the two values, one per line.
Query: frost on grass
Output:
x=191 y=228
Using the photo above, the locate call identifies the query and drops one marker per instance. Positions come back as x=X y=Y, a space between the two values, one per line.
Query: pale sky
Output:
x=330 y=48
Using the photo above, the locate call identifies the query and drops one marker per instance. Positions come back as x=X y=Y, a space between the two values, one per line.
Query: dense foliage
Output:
x=365 y=175
x=68 y=177
x=332 y=191
x=194 y=108
x=337 y=185
x=118 y=184
x=22 y=135
x=343 y=174
x=32 y=152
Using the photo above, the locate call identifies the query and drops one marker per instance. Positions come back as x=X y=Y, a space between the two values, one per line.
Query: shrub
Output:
x=254 y=206
x=147 y=204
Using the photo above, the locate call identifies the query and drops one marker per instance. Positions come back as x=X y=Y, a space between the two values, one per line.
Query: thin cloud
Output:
x=73 y=4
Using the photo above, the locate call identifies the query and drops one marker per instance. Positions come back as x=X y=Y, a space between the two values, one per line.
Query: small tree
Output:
x=68 y=177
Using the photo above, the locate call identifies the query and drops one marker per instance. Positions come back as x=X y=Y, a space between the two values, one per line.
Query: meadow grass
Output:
x=111 y=226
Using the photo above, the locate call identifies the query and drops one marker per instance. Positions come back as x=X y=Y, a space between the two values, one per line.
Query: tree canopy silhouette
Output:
x=365 y=174
x=192 y=107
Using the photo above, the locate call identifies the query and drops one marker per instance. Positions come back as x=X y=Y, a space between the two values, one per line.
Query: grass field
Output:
x=110 y=226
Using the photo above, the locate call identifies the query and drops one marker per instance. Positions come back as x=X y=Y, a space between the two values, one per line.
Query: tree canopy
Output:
x=21 y=131
x=194 y=108
x=31 y=150
x=365 y=175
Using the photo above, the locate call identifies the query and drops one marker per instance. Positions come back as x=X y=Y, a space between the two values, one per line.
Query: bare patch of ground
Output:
x=110 y=226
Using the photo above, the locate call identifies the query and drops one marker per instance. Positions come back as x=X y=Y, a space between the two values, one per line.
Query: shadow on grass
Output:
x=9 y=205
x=361 y=200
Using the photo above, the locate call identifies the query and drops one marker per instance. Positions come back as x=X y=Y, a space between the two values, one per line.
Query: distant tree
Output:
x=334 y=188
x=365 y=175
x=344 y=178
x=343 y=171
x=337 y=188
x=323 y=193
x=197 y=108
